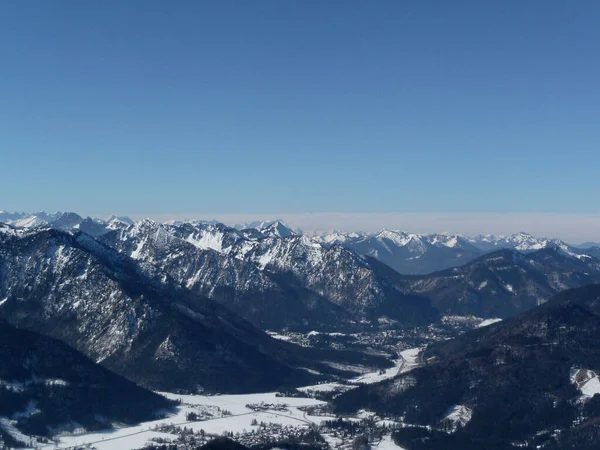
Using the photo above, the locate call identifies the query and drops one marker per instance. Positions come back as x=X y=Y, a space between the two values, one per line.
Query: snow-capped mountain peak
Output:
x=520 y=241
x=411 y=241
x=208 y=235
x=277 y=229
x=28 y=220
x=258 y=224
x=122 y=219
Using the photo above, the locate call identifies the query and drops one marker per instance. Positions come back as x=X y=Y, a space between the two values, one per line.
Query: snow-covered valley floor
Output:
x=222 y=414
x=240 y=419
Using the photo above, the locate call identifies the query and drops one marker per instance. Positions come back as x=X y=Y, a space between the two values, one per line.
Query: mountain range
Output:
x=503 y=283
x=135 y=319
x=407 y=253
x=274 y=282
x=410 y=253
x=277 y=279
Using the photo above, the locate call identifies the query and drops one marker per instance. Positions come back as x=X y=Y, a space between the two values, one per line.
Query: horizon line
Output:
x=570 y=227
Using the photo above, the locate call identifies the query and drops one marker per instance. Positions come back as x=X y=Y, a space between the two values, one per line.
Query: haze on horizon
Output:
x=572 y=228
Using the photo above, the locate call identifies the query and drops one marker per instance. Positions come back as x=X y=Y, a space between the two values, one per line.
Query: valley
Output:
x=302 y=413
x=254 y=419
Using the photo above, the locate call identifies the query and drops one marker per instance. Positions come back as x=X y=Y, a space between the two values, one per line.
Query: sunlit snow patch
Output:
x=327 y=387
x=387 y=443
x=586 y=381
x=458 y=415
x=281 y=337
x=488 y=322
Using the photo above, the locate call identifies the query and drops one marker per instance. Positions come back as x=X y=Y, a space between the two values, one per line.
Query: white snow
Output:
x=337 y=236
x=587 y=382
x=412 y=242
x=136 y=253
x=334 y=442
x=2 y=302
x=265 y=259
x=565 y=249
x=118 y=439
x=308 y=242
x=240 y=419
x=452 y=242
x=365 y=414
x=18 y=386
x=281 y=337
x=387 y=443
x=208 y=240
x=277 y=229
x=408 y=360
x=487 y=322
x=9 y=427
x=459 y=415
x=28 y=222
x=55 y=382
x=327 y=387
x=316 y=333
x=591 y=388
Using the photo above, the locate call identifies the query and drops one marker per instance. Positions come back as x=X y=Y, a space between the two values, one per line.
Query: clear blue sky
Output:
x=300 y=106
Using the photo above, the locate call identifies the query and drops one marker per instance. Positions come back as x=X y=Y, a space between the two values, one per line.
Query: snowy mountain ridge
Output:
x=407 y=253
x=521 y=241
x=273 y=281
x=138 y=319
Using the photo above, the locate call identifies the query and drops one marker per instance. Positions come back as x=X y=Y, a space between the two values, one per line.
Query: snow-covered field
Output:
x=286 y=412
x=232 y=413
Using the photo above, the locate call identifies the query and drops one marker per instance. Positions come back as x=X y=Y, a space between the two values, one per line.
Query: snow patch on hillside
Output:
x=387 y=443
x=207 y=241
x=327 y=387
x=458 y=415
x=488 y=322
x=586 y=381
x=8 y=426
x=281 y=337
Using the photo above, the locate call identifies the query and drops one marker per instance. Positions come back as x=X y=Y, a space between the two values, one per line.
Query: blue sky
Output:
x=273 y=107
